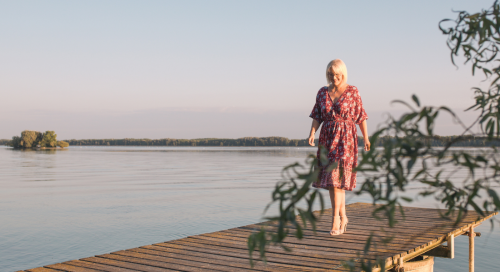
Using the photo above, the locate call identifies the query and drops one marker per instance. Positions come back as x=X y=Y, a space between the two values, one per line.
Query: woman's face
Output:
x=336 y=78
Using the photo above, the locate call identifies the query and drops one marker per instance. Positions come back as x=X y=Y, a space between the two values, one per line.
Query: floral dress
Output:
x=339 y=136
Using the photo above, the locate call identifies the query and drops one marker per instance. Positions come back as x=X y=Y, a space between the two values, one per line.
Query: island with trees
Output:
x=36 y=139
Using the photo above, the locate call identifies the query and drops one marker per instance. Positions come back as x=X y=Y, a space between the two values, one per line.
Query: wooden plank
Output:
x=223 y=264
x=242 y=252
x=128 y=265
x=357 y=237
x=423 y=216
x=332 y=254
x=350 y=236
x=336 y=239
x=408 y=220
x=381 y=247
x=369 y=206
x=374 y=226
x=163 y=261
x=239 y=258
x=42 y=269
x=297 y=249
x=384 y=223
x=292 y=240
x=397 y=229
x=379 y=223
x=367 y=229
x=218 y=254
x=316 y=251
x=424 y=212
x=72 y=268
x=172 y=264
x=406 y=209
x=97 y=266
x=242 y=261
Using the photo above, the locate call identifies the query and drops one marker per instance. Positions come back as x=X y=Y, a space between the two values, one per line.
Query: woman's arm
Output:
x=314 y=128
x=364 y=130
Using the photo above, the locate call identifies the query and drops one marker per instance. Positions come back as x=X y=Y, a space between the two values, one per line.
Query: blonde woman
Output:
x=339 y=107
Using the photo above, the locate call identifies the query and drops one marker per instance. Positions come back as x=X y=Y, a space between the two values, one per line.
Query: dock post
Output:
x=471 y=248
x=451 y=246
x=400 y=267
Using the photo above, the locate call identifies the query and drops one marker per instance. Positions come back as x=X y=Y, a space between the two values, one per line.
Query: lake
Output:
x=59 y=205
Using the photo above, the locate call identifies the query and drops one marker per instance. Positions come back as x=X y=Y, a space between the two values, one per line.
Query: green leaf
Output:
x=496 y=201
x=407 y=199
x=415 y=99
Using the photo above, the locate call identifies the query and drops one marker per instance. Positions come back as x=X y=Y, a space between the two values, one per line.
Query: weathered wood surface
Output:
x=421 y=230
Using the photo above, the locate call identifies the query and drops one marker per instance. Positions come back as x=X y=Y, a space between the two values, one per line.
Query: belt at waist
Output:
x=340 y=120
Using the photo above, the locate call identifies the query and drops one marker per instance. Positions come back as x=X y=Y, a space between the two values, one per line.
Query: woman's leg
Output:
x=339 y=201
x=336 y=200
x=343 y=214
x=342 y=206
x=336 y=197
x=341 y=193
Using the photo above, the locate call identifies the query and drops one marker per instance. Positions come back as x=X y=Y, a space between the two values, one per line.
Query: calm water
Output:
x=68 y=204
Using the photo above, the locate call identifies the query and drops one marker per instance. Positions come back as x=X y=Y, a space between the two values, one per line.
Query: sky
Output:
x=224 y=69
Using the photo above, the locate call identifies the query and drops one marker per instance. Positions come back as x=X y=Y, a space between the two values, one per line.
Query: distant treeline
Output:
x=465 y=141
x=247 y=141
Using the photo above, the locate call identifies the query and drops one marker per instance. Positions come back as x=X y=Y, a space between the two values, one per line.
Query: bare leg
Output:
x=343 y=215
x=337 y=197
x=342 y=206
x=336 y=201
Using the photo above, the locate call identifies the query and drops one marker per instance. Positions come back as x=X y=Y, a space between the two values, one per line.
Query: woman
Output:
x=339 y=107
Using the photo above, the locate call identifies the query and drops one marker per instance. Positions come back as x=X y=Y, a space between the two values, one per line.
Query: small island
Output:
x=37 y=140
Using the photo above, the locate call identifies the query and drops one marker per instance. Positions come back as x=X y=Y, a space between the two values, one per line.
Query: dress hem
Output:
x=333 y=186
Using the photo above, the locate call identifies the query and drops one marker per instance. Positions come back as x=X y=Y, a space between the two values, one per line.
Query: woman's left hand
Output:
x=364 y=130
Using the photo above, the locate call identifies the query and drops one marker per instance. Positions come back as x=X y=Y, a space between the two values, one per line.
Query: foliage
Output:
x=15 y=142
x=62 y=144
x=409 y=156
x=477 y=38
x=49 y=139
x=467 y=140
x=4 y=141
x=247 y=141
x=34 y=139
x=29 y=138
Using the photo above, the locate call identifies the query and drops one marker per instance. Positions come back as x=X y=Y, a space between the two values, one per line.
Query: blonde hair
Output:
x=336 y=66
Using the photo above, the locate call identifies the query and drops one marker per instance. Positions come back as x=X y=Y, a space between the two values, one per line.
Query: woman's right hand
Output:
x=314 y=128
x=311 y=140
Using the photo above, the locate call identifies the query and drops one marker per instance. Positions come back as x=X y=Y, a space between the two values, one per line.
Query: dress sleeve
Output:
x=359 y=112
x=316 y=111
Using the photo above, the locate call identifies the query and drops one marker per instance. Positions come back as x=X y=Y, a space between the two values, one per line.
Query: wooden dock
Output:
x=424 y=232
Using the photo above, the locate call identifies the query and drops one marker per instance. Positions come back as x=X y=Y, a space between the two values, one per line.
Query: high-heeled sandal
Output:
x=336 y=224
x=343 y=224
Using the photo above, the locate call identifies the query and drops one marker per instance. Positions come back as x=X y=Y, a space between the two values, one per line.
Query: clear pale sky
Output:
x=226 y=69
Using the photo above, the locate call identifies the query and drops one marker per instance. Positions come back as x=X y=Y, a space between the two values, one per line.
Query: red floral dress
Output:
x=339 y=136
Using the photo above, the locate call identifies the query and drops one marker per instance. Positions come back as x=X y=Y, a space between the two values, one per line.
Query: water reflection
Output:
x=59 y=205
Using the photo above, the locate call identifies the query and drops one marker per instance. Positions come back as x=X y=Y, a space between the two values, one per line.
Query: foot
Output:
x=335 y=225
x=343 y=224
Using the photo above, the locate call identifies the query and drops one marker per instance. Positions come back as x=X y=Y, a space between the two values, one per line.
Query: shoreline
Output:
x=274 y=141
